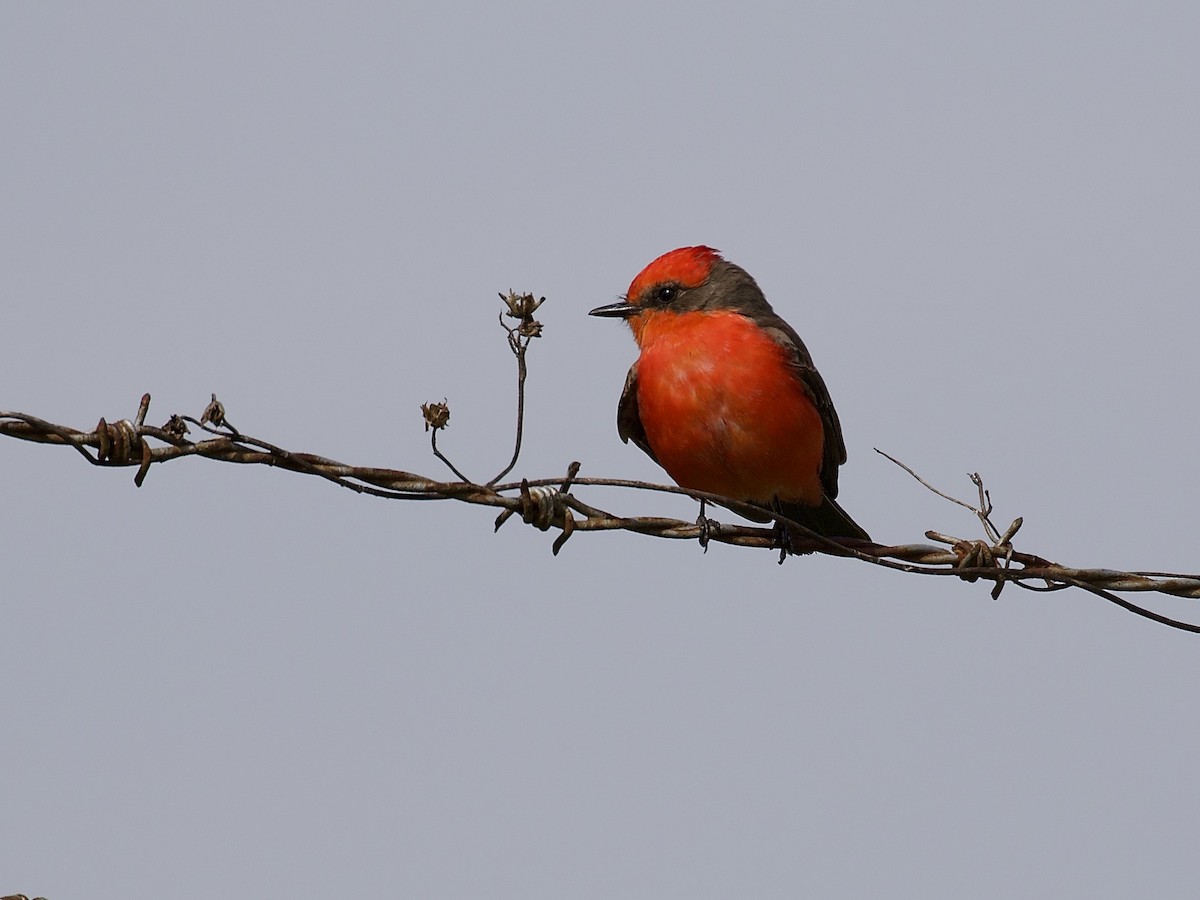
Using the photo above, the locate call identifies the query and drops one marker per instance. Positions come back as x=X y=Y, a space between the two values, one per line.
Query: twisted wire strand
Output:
x=548 y=503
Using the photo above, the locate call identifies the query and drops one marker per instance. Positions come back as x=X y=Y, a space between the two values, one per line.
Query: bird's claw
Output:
x=782 y=541
x=708 y=527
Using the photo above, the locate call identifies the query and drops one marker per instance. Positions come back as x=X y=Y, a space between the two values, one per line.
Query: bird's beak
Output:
x=618 y=310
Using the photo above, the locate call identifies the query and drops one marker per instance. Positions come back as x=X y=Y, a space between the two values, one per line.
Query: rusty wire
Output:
x=550 y=504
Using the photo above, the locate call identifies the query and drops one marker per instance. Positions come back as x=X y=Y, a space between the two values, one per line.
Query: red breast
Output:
x=723 y=410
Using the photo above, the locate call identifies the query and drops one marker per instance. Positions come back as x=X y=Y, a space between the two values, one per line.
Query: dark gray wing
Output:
x=835 y=445
x=629 y=420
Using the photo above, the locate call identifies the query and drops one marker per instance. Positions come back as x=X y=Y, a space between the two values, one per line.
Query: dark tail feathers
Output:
x=828 y=519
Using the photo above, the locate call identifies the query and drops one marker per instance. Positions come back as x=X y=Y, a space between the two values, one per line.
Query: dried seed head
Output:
x=437 y=415
x=176 y=426
x=522 y=307
x=214 y=413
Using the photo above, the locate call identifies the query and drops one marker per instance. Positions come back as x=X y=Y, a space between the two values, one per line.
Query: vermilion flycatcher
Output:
x=724 y=395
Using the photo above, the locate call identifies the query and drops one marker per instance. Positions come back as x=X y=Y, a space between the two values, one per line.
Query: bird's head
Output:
x=685 y=280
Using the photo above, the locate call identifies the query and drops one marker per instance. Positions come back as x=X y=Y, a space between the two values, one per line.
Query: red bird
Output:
x=724 y=395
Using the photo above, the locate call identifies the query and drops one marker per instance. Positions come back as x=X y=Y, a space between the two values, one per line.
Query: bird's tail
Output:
x=828 y=519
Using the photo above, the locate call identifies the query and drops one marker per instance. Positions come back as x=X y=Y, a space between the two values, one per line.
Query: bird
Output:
x=724 y=395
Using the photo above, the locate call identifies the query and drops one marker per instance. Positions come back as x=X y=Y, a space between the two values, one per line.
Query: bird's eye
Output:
x=666 y=293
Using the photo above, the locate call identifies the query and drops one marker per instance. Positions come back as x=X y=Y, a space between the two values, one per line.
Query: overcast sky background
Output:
x=982 y=218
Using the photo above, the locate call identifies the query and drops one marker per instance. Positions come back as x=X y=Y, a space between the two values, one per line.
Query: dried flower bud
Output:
x=437 y=415
x=523 y=306
x=214 y=413
x=176 y=427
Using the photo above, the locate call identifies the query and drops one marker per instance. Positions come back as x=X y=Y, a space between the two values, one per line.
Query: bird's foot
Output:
x=708 y=527
x=782 y=541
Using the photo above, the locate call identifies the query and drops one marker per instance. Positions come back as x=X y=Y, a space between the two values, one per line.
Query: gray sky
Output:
x=982 y=218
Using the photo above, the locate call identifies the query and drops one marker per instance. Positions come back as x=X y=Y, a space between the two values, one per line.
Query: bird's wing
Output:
x=629 y=420
x=835 y=445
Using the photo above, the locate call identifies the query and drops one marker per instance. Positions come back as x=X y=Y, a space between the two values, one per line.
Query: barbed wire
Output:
x=549 y=503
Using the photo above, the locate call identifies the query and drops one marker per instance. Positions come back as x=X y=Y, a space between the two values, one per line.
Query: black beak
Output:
x=618 y=310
